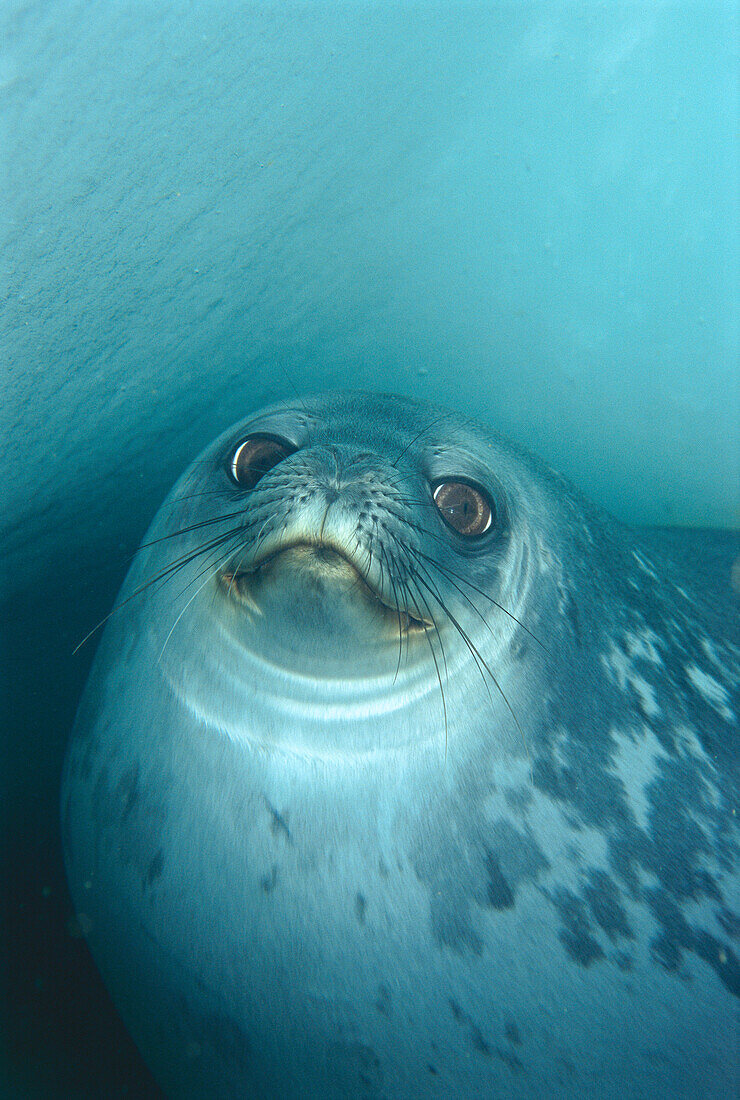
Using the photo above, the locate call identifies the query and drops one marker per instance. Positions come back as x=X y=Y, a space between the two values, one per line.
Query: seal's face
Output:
x=339 y=554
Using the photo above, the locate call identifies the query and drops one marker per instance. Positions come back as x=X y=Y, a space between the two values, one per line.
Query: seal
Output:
x=403 y=771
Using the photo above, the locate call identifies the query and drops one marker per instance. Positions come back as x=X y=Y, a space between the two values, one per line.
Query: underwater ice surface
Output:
x=524 y=211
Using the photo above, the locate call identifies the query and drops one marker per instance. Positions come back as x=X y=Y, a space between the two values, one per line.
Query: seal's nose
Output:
x=334 y=482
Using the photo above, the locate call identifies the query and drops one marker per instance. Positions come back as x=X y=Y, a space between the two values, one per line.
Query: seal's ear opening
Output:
x=256 y=456
x=464 y=507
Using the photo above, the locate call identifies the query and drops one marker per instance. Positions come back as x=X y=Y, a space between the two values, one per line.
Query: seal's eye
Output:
x=255 y=456
x=464 y=507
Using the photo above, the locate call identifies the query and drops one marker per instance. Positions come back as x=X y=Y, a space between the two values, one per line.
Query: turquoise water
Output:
x=527 y=212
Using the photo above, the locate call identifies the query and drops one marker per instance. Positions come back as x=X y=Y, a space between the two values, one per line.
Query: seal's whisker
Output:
x=271 y=522
x=398 y=610
x=415 y=502
x=460 y=630
x=475 y=651
x=193 y=496
x=180 y=563
x=189 y=529
x=266 y=499
x=164 y=575
x=428 y=428
x=413 y=573
x=464 y=595
x=428 y=636
x=211 y=573
x=209 y=565
x=258 y=541
x=447 y=570
x=180 y=532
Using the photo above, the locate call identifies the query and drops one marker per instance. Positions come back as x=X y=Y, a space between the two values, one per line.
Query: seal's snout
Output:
x=336 y=514
x=308 y=571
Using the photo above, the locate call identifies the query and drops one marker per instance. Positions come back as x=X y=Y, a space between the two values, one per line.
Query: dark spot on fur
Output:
x=667 y=952
x=476 y=1035
x=382 y=868
x=511 y=1031
x=360 y=907
x=682 y=842
x=269 y=882
x=570 y=610
x=128 y=789
x=603 y=899
x=518 y=799
x=623 y=960
x=479 y=1042
x=154 y=870
x=369 y=1071
x=510 y=1059
x=279 y=823
x=516 y=856
x=383 y=1000
x=458 y=886
x=451 y=924
x=576 y=932
x=559 y=783
x=722 y=960
x=678 y=935
x=730 y=922
x=431 y=1069
x=499 y=893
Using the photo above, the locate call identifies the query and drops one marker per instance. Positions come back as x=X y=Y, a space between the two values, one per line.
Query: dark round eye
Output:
x=255 y=456
x=464 y=507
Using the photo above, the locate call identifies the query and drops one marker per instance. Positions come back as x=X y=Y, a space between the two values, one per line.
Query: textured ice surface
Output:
x=524 y=211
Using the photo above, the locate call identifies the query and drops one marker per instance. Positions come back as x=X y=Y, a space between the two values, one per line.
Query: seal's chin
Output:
x=320 y=588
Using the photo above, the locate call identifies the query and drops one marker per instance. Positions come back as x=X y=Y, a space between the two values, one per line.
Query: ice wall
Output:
x=523 y=210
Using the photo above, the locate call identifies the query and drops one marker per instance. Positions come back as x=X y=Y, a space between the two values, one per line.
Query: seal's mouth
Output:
x=324 y=568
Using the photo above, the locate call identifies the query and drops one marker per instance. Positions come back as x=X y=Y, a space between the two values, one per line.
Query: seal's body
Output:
x=403 y=772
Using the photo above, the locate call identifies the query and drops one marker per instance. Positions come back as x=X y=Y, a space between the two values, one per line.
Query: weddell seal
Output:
x=402 y=771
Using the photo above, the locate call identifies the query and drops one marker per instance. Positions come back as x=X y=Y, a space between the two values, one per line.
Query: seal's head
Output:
x=342 y=555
